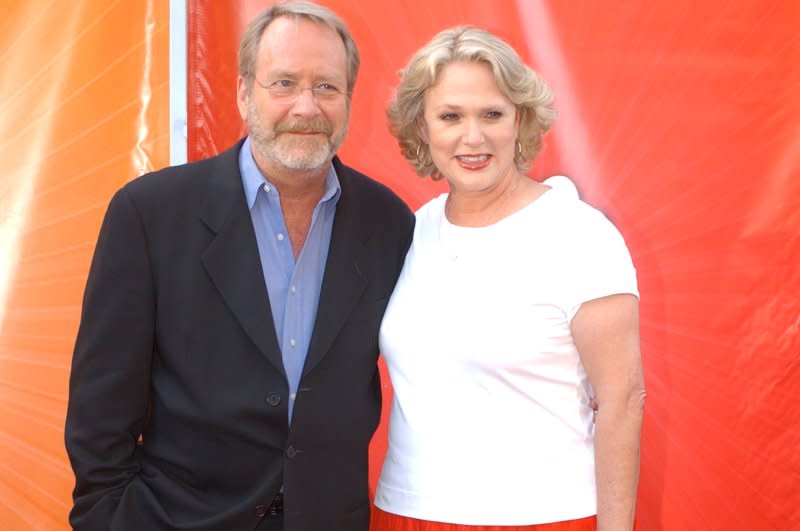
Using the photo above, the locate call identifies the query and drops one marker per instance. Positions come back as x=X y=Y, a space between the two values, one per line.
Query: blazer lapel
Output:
x=343 y=282
x=232 y=259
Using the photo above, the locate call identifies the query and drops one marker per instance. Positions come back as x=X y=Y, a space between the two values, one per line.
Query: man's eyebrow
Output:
x=324 y=76
x=281 y=73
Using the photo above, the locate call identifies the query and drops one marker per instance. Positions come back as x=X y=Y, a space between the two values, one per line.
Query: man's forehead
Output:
x=289 y=30
x=294 y=43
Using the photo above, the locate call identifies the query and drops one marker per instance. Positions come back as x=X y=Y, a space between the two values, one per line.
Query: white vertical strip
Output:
x=177 y=82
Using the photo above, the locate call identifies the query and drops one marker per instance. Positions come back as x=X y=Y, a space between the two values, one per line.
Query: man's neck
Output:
x=300 y=191
x=296 y=185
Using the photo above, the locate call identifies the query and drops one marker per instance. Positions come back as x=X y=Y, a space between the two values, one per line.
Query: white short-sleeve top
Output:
x=490 y=420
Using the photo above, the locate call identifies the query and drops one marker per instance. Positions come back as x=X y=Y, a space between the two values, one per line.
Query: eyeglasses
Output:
x=287 y=90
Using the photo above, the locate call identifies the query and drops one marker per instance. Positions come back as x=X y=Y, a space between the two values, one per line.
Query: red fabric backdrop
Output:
x=678 y=119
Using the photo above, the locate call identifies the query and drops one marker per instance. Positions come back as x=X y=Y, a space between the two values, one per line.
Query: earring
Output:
x=518 y=147
x=419 y=152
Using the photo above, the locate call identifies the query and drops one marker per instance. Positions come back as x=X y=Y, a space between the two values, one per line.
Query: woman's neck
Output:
x=479 y=209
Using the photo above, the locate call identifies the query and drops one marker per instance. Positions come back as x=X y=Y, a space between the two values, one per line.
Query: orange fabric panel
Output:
x=84 y=102
x=679 y=120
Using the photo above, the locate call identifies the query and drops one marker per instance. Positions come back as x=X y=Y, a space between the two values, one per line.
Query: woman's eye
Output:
x=449 y=116
x=494 y=115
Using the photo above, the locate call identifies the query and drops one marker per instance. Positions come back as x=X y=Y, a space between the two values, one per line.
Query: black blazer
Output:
x=177 y=343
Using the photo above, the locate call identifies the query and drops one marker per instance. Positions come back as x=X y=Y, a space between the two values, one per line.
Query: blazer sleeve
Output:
x=110 y=379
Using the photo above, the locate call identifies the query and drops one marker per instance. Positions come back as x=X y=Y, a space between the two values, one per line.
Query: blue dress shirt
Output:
x=293 y=286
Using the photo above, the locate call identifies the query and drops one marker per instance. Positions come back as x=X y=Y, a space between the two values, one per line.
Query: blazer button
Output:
x=291 y=452
x=261 y=510
x=273 y=399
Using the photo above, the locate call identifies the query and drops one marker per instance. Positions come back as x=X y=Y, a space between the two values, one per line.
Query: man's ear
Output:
x=243 y=94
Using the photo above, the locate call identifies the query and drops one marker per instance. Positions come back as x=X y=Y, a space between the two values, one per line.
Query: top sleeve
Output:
x=598 y=260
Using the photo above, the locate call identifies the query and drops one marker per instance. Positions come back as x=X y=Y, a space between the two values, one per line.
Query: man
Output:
x=225 y=374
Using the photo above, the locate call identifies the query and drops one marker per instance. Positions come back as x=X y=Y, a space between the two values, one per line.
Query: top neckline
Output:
x=524 y=211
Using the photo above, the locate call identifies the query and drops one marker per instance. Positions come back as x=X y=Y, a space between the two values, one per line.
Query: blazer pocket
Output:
x=354 y=520
x=372 y=307
x=376 y=294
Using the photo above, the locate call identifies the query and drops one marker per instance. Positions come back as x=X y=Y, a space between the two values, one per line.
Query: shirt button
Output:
x=266 y=188
x=292 y=342
x=280 y=236
x=273 y=399
x=293 y=289
x=293 y=395
x=291 y=452
x=261 y=510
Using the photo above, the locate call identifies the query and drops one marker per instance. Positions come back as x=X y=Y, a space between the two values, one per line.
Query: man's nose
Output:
x=305 y=104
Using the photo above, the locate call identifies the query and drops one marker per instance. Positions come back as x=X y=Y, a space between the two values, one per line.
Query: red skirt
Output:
x=383 y=521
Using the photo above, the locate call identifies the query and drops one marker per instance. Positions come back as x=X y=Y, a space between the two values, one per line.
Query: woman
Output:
x=517 y=306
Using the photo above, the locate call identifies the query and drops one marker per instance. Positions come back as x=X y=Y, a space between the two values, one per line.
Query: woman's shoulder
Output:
x=565 y=201
x=568 y=218
x=431 y=211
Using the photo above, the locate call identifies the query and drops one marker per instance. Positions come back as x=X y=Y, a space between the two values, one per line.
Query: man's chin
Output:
x=297 y=157
x=304 y=159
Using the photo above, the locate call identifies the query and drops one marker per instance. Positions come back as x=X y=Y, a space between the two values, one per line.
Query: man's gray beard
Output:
x=303 y=153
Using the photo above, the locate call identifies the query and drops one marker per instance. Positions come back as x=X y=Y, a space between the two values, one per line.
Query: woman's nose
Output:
x=473 y=135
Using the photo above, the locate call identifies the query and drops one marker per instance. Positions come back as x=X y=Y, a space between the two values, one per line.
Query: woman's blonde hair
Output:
x=520 y=84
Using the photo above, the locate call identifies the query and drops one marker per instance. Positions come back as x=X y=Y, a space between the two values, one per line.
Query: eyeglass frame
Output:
x=297 y=90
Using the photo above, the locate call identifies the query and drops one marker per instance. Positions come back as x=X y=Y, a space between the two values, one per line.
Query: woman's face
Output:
x=471 y=128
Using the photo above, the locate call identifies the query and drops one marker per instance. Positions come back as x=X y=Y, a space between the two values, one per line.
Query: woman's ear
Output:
x=422 y=127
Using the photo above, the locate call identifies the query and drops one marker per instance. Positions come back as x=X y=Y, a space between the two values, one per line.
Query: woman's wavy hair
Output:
x=520 y=84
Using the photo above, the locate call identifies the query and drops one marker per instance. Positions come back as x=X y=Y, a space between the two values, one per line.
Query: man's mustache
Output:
x=310 y=126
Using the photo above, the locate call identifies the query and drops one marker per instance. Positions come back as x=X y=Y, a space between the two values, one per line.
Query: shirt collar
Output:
x=252 y=180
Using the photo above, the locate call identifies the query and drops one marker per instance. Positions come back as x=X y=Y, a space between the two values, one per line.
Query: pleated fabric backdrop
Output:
x=678 y=119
